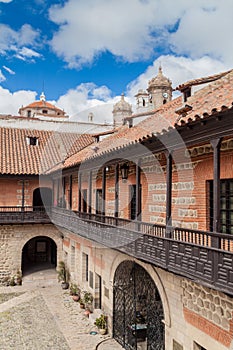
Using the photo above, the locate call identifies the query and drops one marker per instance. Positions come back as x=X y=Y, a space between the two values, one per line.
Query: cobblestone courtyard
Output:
x=40 y=315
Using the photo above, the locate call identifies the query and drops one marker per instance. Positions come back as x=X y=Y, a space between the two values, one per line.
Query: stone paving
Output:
x=40 y=315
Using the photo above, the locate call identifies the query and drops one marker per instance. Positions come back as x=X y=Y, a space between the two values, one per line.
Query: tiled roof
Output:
x=199 y=81
x=20 y=158
x=214 y=97
x=41 y=104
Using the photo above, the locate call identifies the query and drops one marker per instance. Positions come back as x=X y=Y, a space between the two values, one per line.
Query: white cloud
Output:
x=8 y=70
x=86 y=98
x=199 y=32
x=2 y=77
x=6 y=1
x=125 y=28
x=11 y=102
x=16 y=42
x=135 y=29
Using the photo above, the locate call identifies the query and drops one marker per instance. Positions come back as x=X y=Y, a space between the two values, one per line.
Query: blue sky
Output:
x=84 y=53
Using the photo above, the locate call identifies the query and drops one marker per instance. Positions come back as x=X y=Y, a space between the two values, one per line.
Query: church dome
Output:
x=159 y=81
x=122 y=105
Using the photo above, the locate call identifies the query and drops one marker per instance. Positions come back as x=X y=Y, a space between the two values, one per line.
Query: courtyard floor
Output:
x=40 y=315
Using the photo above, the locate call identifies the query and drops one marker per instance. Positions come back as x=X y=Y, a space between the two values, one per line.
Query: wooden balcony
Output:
x=202 y=256
x=24 y=215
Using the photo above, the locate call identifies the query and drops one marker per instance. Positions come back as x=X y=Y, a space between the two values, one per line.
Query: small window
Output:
x=44 y=111
x=29 y=113
x=32 y=141
x=84 y=267
x=198 y=347
x=91 y=279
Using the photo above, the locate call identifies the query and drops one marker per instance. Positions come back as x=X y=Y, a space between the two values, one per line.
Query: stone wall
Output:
x=182 y=299
x=14 y=237
x=208 y=310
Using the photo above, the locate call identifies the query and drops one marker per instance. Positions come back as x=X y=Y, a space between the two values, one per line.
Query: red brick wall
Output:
x=11 y=190
x=222 y=336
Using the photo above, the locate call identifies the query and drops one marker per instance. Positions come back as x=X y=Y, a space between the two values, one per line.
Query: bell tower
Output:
x=121 y=110
x=159 y=90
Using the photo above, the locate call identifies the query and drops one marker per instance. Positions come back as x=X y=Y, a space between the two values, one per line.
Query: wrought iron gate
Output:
x=138 y=310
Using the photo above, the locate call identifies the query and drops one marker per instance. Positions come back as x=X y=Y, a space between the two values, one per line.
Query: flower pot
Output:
x=102 y=331
x=87 y=313
x=65 y=285
x=75 y=297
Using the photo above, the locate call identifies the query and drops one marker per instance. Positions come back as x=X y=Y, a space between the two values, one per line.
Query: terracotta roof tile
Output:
x=199 y=81
x=218 y=95
x=41 y=104
x=18 y=157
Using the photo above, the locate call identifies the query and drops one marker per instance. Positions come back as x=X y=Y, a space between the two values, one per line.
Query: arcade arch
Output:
x=138 y=314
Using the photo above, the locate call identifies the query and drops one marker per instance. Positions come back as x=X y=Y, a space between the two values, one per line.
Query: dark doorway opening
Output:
x=42 y=197
x=39 y=253
x=133 y=202
x=84 y=201
x=138 y=311
x=226 y=205
x=99 y=201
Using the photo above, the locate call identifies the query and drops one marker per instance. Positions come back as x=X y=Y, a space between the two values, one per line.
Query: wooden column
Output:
x=58 y=190
x=103 y=190
x=168 y=193
x=90 y=192
x=70 y=192
x=216 y=144
x=53 y=193
x=138 y=191
x=63 y=192
x=116 y=213
x=79 y=191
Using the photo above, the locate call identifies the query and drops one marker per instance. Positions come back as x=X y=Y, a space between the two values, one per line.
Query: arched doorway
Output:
x=42 y=197
x=39 y=253
x=138 y=311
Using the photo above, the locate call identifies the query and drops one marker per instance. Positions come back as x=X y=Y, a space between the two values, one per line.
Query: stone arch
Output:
x=39 y=252
x=154 y=275
x=138 y=314
x=28 y=232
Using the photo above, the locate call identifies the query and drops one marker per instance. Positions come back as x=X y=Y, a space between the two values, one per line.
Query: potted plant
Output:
x=81 y=303
x=63 y=275
x=18 y=278
x=88 y=298
x=75 y=291
x=101 y=323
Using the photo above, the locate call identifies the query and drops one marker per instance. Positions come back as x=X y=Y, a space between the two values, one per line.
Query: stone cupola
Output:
x=121 y=110
x=159 y=90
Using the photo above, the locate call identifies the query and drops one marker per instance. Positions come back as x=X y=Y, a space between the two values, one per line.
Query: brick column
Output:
x=23 y=195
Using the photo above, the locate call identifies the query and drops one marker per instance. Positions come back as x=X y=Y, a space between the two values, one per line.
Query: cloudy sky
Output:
x=85 y=53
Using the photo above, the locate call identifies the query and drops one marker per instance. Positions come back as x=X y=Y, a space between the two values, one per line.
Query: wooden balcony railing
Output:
x=203 y=256
x=19 y=215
